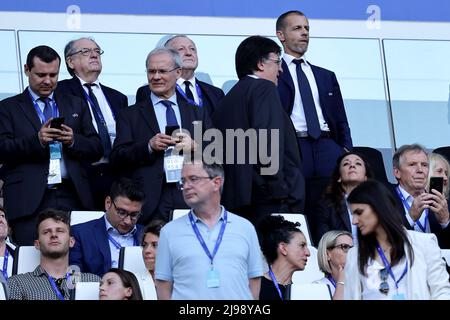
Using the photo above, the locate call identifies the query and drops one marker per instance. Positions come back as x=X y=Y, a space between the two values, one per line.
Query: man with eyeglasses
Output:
x=144 y=142
x=98 y=242
x=253 y=104
x=192 y=89
x=84 y=64
x=210 y=253
x=43 y=162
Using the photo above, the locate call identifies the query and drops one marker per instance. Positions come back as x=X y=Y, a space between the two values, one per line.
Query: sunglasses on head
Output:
x=384 y=286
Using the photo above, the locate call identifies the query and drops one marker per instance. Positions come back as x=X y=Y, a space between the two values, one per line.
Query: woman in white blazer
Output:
x=389 y=262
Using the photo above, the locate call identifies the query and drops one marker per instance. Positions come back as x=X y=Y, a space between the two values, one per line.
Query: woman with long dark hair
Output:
x=390 y=262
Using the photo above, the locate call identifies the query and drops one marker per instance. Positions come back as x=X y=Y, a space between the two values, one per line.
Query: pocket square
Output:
x=75 y=115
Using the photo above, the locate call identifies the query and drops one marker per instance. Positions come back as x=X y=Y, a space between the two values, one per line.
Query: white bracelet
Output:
x=340 y=282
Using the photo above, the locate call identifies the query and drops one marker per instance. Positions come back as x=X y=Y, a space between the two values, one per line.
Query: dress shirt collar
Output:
x=96 y=82
x=114 y=232
x=181 y=81
x=36 y=97
x=222 y=211
x=155 y=99
x=288 y=58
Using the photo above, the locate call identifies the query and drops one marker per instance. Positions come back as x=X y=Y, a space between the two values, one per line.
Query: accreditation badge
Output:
x=54 y=168
x=173 y=164
x=213 y=280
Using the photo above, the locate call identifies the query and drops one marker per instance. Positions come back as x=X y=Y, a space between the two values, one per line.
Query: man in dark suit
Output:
x=196 y=92
x=422 y=211
x=43 y=164
x=83 y=61
x=312 y=98
x=98 y=242
x=141 y=144
x=253 y=105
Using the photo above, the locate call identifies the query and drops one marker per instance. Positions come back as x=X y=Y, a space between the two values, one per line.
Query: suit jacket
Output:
x=116 y=99
x=330 y=101
x=91 y=251
x=211 y=95
x=328 y=218
x=26 y=161
x=254 y=103
x=136 y=125
x=427 y=279
x=443 y=235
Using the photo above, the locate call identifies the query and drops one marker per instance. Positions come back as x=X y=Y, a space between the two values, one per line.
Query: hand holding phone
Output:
x=57 y=122
x=436 y=183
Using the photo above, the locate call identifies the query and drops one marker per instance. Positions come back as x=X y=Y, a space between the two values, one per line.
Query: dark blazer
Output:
x=329 y=218
x=254 y=103
x=136 y=125
x=443 y=235
x=211 y=95
x=91 y=251
x=26 y=161
x=116 y=99
x=330 y=101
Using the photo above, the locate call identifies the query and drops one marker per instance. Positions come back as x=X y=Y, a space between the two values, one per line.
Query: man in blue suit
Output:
x=83 y=61
x=98 y=242
x=312 y=98
x=196 y=92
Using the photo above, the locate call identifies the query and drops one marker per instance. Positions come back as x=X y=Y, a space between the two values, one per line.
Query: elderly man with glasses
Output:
x=98 y=242
x=144 y=144
x=84 y=64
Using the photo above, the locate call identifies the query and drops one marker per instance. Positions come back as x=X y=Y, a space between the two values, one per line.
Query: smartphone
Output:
x=437 y=183
x=171 y=129
x=57 y=122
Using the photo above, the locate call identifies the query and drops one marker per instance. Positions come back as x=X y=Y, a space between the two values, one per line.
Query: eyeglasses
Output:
x=277 y=61
x=343 y=246
x=87 y=52
x=193 y=180
x=384 y=285
x=124 y=213
x=162 y=72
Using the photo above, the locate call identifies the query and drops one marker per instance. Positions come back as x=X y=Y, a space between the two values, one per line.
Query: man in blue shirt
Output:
x=210 y=253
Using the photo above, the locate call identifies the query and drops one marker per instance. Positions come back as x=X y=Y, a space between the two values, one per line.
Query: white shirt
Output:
x=371 y=283
x=298 y=114
x=104 y=107
x=193 y=82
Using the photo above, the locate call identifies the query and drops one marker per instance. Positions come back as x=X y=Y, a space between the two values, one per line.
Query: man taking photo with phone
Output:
x=422 y=211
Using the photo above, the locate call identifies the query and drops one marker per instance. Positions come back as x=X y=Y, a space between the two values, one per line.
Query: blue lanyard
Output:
x=408 y=207
x=118 y=245
x=200 y=238
x=388 y=266
x=100 y=115
x=55 y=288
x=5 y=264
x=275 y=282
x=199 y=93
x=330 y=278
x=55 y=112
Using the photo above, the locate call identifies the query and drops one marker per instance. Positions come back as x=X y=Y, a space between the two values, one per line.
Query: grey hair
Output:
x=432 y=159
x=328 y=241
x=167 y=43
x=176 y=59
x=403 y=149
x=69 y=49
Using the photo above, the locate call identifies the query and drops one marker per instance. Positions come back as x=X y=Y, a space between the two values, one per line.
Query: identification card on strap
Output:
x=213 y=280
x=399 y=296
x=54 y=168
x=172 y=166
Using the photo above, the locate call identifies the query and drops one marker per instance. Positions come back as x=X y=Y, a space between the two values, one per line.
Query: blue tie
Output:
x=99 y=119
x=48 y=112
x=171 y=119
x=312 y=120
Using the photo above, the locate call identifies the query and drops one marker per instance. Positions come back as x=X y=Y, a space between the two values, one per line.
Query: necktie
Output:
x=312 y=121
x=171 y=119
x=188 y=90
x=101 y=124
x=48 y=112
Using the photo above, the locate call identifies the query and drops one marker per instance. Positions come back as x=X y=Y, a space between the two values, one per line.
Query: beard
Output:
x=54 y=254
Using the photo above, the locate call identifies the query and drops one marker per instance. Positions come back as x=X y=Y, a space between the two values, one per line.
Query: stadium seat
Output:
x=77 y=217
x=87 y=290
x=179 y=213
x=310 y=291
x=443 y=151
x=26 y=259
x=301 y=218
x=375 y=159
x=311 y=272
